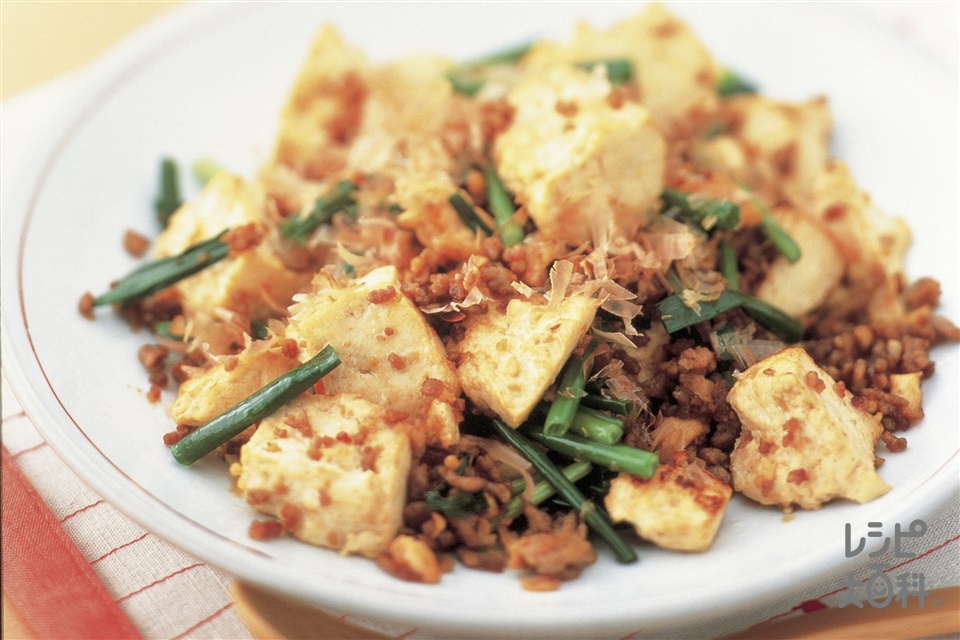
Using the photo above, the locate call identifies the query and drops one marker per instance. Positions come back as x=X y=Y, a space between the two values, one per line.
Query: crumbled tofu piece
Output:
x=425 y=199
x=413 y=121
x=803 y=442
x=254 y=282
x=323 y=111
x=872 y=242
x=211 y=391
x=583 y=168
x=674 y=70
x=679 y=508
x=788 y=144
x=907 y=386
x=389 y=354
x=799 y=287
x=332 y=469
x=509 y=358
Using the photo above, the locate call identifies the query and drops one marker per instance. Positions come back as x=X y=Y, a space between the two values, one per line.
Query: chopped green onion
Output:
x=613 y=405
x=597 y=426
x=729 y=266
x=595 y=517
x=467 y=78
x=569 y=391
x=254 y=408
x=616 y=457
x=160 y=274
x=299 y=227
x=169 y=199
x=619 y=70
x=542 y=489
x=468 y=214
x=709 y=213
x=730 y=83
x=204 y=169
x=776 y=234
x=676 y=315
x=501 y=206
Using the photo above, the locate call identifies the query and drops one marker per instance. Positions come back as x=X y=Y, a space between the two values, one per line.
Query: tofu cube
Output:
x=333 y=469
x=673 y=69
x=679 y=508
x=254 y=282
x=508 y=358
x=324 y=110
x=799 y=287
x=802 y=442
x=389 y=354
x=583 y=168
x=211 y=391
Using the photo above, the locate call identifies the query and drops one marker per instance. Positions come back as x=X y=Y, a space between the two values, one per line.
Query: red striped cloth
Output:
x=75 y=567
x=47 y=573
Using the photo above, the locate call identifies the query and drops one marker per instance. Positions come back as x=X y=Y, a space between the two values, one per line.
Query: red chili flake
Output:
x=344 y=437
x=396 y=361
x=432 y=387
x=291 y=516
x=86 y=306
x=835 y=212
x=245 y=237
x=797 y=476
x=136 y=244
x=264 y=529
x=173 y=437
x=153 y=395
x=290 y=348
x=258 y=496
x=393 y=416
x=792 y=429
x=318 y=387
x=379 y=296
x=814 y=382
x=566 y=108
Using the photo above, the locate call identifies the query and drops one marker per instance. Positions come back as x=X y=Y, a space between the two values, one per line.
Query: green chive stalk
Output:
x=619 y=70
x=729 y=266
x=709 y=213
x=676 y=315
x=542 y=489
x=168 y=199
x=730 y=83
x=467 y=78
x=299 y=227
x=613 y=405
x=777 y=235
x=597 y=426
x=468 y=214
x=160 y=274
x=616 y=457
x=501 y=206
x=569 y=391
x=254 y=408
x=594 y=516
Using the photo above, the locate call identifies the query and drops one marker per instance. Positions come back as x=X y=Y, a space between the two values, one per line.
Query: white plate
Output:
x=209 y=81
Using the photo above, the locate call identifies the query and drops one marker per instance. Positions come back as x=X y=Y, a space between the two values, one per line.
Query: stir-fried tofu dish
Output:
x=509 y=313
